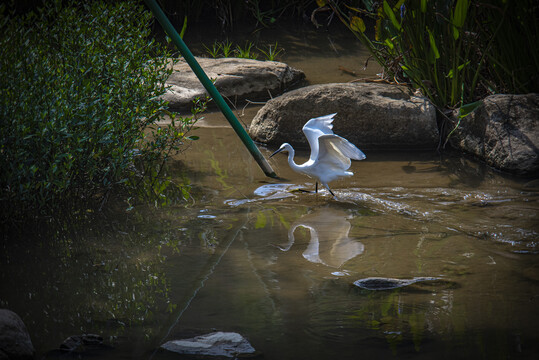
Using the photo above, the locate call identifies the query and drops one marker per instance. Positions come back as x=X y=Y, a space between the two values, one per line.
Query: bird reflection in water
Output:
x=329 y=244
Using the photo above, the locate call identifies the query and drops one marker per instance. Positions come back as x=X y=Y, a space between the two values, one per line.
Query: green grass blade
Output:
x=391 y=15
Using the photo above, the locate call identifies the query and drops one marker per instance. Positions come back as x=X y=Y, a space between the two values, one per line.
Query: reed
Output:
x=456 y=51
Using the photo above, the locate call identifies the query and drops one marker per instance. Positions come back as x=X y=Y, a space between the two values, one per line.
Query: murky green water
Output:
x=278 y=266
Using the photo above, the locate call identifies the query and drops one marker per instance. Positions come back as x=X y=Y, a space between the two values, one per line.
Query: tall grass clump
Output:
x=79 y=105
x=455 y=51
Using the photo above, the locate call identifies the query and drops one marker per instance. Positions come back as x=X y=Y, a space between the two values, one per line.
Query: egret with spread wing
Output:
x=330 y=153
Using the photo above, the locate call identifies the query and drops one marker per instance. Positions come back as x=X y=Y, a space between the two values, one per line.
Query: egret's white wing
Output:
x=315 y=128
x=336 y=151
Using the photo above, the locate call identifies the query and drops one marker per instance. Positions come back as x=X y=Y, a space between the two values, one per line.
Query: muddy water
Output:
x=252 y=255
x=286 y=278
x=456 y=242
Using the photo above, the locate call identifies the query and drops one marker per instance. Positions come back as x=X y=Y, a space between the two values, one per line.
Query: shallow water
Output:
x=253 y=255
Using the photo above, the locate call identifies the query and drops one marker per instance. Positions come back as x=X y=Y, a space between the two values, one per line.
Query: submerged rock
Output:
x=380 y=283
x=15 y=341
x=372 y=116
x=80 y=346
x=503 y=132
x=236 y=79
x=82 y=343
x=223 y=344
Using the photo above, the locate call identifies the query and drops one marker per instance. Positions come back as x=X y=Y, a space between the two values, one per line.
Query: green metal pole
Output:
x=210 y=88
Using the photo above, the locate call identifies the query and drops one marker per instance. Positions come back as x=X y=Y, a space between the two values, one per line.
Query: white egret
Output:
x=330 y=153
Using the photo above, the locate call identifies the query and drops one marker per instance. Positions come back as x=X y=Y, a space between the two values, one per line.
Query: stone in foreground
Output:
x=236 y=80
x=15 y=341
x=371 y=116
x=223 y=344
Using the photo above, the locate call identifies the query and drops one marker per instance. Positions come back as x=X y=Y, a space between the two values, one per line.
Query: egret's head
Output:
x=284 y=147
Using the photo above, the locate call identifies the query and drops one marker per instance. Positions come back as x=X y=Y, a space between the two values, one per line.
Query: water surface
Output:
x=253 y=255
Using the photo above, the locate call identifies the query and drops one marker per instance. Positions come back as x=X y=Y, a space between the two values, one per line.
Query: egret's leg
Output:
x=316 y=187
x=327 y=187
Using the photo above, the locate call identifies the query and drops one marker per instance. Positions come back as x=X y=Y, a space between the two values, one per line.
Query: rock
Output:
x=15 y=341
x=380 y=283
x=81 y=346
x=82 y=343
x=236 y=79
x=223 y=344
x=372 y=116
x=503 y=132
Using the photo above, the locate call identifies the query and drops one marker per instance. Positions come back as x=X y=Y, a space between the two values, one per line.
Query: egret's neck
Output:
x=291 y=161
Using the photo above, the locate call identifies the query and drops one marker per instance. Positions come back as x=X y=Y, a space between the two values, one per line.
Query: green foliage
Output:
x=455 y=51
x=226 y=46
x=79 y=92
x=225 y=49
x=271 y=52
x=246 y=52
x=215 y=50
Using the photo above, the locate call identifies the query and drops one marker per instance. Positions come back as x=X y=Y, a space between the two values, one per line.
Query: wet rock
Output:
x=80 y=346
x=236 y=79
x=15 y=341
x=217 y=344
x=380 y=283
x=503 y=132
x=372 y=116
x=82 y=343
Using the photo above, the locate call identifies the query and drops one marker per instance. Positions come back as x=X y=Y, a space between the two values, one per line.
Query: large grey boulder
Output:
x=236 y=80
x=370 y=115
x=15 y=341
x=503 y=132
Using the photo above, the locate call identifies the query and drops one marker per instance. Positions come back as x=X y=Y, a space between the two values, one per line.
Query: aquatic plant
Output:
x=226 y=46
x=456 y=51
x=246 y=51
x=271 y=52
x=80 y=106
x=228 y=49
x=215 y=50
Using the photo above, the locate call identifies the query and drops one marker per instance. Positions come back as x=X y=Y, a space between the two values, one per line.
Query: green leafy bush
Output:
x=79 y=97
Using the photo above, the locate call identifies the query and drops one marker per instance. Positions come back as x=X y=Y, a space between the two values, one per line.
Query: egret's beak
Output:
x=276 y=152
